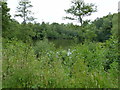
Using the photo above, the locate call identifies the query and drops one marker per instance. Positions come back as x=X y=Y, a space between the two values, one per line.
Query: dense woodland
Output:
x=31 y=61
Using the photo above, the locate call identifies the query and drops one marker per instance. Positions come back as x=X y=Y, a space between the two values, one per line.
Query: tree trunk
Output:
x=80 y=20
x=24 y=16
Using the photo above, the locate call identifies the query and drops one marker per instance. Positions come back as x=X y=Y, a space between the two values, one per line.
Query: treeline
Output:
x=99 y=30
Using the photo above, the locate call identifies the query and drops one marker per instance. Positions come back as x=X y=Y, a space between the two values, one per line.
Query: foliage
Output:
x=25 y=33
x=5 y=19
x=103 y=27
x=82 y=68
x=17 y=64
x=23 y=11
x=89 y=32
x=42 y=47
x=31 y=60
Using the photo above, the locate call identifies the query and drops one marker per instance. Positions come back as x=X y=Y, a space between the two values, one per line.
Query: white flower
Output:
x=69 y=53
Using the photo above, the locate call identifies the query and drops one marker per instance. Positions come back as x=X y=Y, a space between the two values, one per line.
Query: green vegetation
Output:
x=32 y=60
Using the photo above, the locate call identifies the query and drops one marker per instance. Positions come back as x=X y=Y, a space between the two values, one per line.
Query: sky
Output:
x=51 y=11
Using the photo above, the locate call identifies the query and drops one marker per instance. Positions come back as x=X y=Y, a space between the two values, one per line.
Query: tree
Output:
x=24 y=11
x=5 y=19
x=79 y=9
x=103 y=27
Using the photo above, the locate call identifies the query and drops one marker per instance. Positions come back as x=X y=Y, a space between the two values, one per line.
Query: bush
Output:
x=82 y=67
x=18 y=59
x=42 y=47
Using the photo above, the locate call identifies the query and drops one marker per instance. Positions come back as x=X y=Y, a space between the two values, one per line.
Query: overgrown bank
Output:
x=93 y=63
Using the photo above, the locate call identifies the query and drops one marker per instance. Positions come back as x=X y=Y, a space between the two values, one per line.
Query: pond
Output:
x=62 y=43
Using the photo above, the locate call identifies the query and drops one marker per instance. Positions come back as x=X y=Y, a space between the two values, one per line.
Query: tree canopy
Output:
x=79 y=9
x=5 y=19
x=23 y=11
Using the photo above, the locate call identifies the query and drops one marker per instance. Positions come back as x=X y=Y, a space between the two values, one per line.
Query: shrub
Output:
x=17 y=65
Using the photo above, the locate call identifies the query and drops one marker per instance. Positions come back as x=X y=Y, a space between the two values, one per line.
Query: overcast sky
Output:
x=53 y=10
